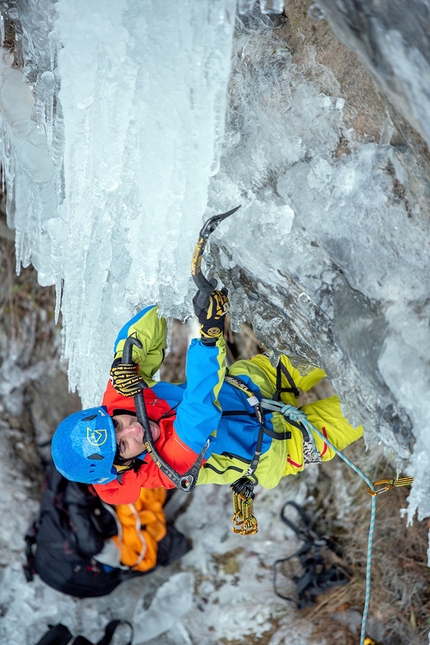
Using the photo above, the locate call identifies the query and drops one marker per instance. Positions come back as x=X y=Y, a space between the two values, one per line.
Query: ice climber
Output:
x=104 y=445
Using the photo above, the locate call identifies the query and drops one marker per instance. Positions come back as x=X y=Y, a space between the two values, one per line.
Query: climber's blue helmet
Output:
x=84 y=447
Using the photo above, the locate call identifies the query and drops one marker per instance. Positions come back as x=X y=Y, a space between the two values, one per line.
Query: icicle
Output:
x=2 y=30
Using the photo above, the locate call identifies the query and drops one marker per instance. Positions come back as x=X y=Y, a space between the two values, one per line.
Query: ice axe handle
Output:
x=127 y=352
x=205 y=288
x=184 y=482
x=127 y=357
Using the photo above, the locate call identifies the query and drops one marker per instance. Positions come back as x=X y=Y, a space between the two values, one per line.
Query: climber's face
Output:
x=129 y=435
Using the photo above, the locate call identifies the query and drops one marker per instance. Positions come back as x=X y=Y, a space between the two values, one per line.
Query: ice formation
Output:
x=347 y=228
x=118 y=149
x=107 y=172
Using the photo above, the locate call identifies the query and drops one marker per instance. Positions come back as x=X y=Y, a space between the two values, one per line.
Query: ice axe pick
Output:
x=205 y=286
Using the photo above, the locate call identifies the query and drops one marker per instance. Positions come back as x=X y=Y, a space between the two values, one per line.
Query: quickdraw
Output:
x=244 y=520
x=387 y=484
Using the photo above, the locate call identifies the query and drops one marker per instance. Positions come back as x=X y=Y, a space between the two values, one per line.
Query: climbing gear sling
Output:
x=317 y=576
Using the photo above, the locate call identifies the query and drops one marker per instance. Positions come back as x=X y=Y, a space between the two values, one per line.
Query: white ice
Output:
x=107 y=183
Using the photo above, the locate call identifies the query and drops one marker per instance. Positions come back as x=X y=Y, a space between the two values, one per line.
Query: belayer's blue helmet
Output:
x=84 y=447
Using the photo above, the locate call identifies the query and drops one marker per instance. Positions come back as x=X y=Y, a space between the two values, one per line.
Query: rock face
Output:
x=379 y=52
x=34 y=394
x=392 y=40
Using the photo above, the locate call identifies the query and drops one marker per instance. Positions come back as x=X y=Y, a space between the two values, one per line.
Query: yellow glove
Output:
x=125 y=378
x=212 y=317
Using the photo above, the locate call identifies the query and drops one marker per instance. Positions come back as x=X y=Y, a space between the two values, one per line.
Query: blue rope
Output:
x=294 y=414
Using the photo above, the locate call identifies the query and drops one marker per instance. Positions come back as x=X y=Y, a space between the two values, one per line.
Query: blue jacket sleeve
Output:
x=199 y=413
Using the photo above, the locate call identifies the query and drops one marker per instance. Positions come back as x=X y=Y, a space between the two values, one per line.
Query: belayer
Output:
x=248 y=439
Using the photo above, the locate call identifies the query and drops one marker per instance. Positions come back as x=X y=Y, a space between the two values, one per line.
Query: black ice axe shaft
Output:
x=205 y=286
x=188 y=480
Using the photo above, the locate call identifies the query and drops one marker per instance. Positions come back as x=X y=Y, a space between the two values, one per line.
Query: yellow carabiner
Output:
x=386 y=483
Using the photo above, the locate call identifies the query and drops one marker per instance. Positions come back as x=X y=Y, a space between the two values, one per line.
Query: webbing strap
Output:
x=279 y=436
x=281 y=369
x=254 y=403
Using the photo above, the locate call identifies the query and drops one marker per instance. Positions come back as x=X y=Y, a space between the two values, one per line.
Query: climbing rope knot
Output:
x=294 y=413
x=288 y=411
x=297 y=416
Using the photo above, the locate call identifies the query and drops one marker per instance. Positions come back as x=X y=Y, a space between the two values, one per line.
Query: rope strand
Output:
x=295 y=414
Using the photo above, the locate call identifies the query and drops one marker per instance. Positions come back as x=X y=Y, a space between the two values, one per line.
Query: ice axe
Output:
x=205 y=286
x=188 y=480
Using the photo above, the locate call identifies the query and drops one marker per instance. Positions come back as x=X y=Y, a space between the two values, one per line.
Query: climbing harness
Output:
x=244 y=520
x=317 y=576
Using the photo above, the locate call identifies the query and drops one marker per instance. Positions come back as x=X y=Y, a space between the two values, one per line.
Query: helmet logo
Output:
x=96 y=437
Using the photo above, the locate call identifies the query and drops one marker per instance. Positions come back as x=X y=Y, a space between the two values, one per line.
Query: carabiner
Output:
x=389 y=483
x=386 y=483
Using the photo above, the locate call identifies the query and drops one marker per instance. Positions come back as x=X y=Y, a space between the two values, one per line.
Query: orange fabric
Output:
x=169 y=446
x=143 y=526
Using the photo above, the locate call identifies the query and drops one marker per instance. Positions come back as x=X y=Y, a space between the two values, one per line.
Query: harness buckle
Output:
x=253 y=401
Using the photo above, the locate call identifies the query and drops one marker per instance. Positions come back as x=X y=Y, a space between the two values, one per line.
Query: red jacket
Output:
x=169 y=446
